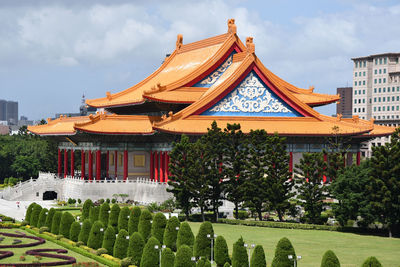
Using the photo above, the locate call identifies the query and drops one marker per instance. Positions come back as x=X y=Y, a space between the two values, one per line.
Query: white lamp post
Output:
x=294 y=259
x=157 y=247
x=212 y=237
x=249 y=247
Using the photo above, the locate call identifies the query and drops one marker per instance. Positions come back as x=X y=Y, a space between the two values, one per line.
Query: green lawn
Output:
x=351 y=249
x=19 y=251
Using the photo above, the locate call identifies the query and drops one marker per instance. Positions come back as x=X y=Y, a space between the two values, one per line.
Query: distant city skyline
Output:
x=53 y=52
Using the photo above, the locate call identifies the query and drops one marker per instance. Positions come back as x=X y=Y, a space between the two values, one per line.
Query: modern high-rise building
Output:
x=9 y=111
x=344 y=105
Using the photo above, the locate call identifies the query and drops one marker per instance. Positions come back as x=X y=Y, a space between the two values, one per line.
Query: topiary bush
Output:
x=109 y=240
x=42 y=218
x=167 y=258
x=239 y=254
x=101 y=200
x=371 y=262
x=75 y=230
x=283 y=249
x=258 y=257
x=183 y=257
x=134 y=220
x=158 y=226
x=144 y=227
x=150 y=256
x=94 y=214
x=65 y=225
x=35 y=215
x=203 y=262
x=55 y=224
x=170 y=233
x=49 y=218
x=87 y=205
x=108 y=201
x=96 y=235
x=185 y=236
x=202 y=244
x=330 y=260
x=29 y=212
x=113 y=219
x=221 y=253
x=101 y=251
x=85 y=231
x=126 y=262
x=104 y=213
x=121 y=244
x=123 y=218
x=135 y=248
x=227 y=264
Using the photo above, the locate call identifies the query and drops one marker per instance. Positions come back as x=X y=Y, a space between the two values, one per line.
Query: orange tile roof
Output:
x=60 y=126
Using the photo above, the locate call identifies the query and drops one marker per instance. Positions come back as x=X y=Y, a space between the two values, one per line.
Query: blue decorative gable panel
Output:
x=252 y=98
x=214 y=76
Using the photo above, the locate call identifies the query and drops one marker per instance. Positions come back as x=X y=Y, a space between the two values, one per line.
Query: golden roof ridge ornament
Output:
x=356 y=118
x=179 y=41
x=232 y=29
x=108 y=94
x=251 y=48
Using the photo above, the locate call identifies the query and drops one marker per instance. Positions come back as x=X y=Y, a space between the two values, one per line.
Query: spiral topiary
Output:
x=55 y=224
x=134 y=220
x=150 y=257
x=183 y=257
x=75 y=230
x=121 y=244
x=49 y=218
x=283 y=249
x=35 y=215
x=185 y=236
x=65 y=225
x=258 y=257
x=96 y=235
x=158 y=226
x=85 y=231
x=113 y=219
x=123 y=218
x=87 y=205
x=109 y=240
x=94 y=214
x=29 y=212
x=144 y=227
x=104 y=213
x=135 y=248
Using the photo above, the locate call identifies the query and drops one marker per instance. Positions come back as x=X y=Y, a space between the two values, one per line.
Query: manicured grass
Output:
x=351 y=249
x=19 y=251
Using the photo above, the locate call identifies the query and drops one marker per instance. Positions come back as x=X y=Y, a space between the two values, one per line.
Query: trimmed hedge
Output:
x=86 y=209
x=49 y=218
x=185 y=236
x=94 y=214
x=330 y=260
x=150 y=257
x=258 y=257
x=170 y=233
x=203 y=262
x=35 y=215
x=96 y=235
x=123 y=218
x=55 y=224
x=371 y=262
x=158 y=226
x=121 y=244
x=65 y=225
x=74 y=232
x=42 y=218
x=109 y=240
x=29 y=212
x=283 y=249
x=134 y=220
x=221 y=253
x=183 y=257
x=167 y=258
x=135 y=248
x=239 y=254
x=85 y=231
x=113 y=219
x=103 y=216
x=202 y=244
x=144 y=227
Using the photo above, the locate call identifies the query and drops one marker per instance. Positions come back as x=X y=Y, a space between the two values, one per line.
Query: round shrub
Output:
x=330 y=260
x=74 y=232
x=101 y=251
x=144 y=227
x=94 y=214
x=55 y=224
x=150 y=256
x=101 y=200
x=29 y=212
x=79 y=201
x=42 y=217
x=35 y=215
x=96 y=235
x=135 y=248
x=49 y=217
x=158 y=226
x=202 y=244
x=134 y=219
x=123 y=218
x=113 y=201
x=113 y=219
x=108 y=201
x=121 y=244
x=85 y=231
x=43 y=229
x=184 y=257
x=86 y=209
x=185 y=236
x=170 y=233
x=258 y=257
x=221 y=253
x=167 y=258
x=65 y=225
x=103 y=215
x=371 y=262
x=283 y=249
x=109 y=240
x=239 y=254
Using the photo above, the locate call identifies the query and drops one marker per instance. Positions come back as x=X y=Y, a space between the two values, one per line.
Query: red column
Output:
x=326 y=160
x=291 y=161
x=161 y=171
x=65 y=163
x=83 y=164
x=125 y=164
x=166 y=167
x=107 y=162
x=115 y=163
x=151 y=165
x=156 y=160
x=72 y=162
x=90 y=165
x=358 y=158
x=59 y=163
x=98 y=165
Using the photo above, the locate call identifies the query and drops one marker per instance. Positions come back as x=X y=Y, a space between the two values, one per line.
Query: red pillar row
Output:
x=358 y=158
x=72 y=162
x=159 y=161
x=59 y=163
x=65 y=163
x=98 y=165
x=107 y=162
x=151 y=165
x=90 y=165
x=162 y=165
x=156 y=155
x=125 y=164
x=116 y=163
x=83 y=164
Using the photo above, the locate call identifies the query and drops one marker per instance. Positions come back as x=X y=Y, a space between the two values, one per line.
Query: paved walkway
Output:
x=10 y=208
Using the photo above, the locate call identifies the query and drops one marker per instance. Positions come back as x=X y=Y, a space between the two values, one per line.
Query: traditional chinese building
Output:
x=219 y=78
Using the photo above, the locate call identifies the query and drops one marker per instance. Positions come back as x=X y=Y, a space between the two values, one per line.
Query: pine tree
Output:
x=144 y=227
x=311 y=190
x=202 y=244
x=371 y=262
x=94 y=214
x=104 y=213
x=49 y=218
x=167 y=258
x=55 y=224
x=150 y=256
x=109 y=240
x=183 y=257
x=221 y=253
x=42 y=218
x=29 y=212
x=185 y=236
x=96 y=235
x=158 y=226
x=171 y=232
x=121 y=244
x=65 y=225
x=123 y=218
x=87 y=205
x=35 y=215
x=134 y=219
x=75 y=230
x=330 y=260
x=239 y=254
x=114 y=214
x=85 y=231
x=135 y=248
x=258 y=257
x=283 y=249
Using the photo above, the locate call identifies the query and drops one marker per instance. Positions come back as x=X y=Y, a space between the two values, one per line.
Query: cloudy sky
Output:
x=52 y=52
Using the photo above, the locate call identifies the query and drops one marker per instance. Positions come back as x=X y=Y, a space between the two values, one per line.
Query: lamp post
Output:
x=212 y=246
x=160 y=249
x=249 y=247
x=194 y=260
x=294 y=259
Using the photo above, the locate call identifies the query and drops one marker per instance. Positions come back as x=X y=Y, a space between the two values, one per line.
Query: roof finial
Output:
x=179 y=41
x=108 y=95
x=231 y=26
x=251 y=48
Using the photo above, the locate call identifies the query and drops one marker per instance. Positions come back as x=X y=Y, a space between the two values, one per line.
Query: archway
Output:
x=49 y=195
